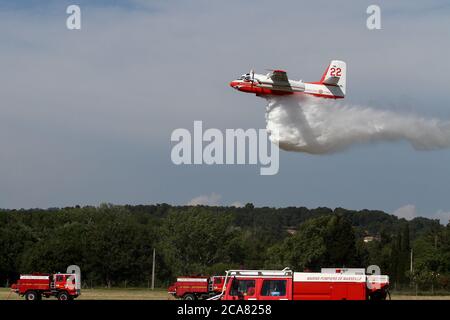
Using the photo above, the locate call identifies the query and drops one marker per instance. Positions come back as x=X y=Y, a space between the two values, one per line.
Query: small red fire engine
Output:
x=330 y=284
x=64 y=286
x=193 y=288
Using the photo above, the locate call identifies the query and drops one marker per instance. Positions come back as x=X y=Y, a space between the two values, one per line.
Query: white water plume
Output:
x=320 y=126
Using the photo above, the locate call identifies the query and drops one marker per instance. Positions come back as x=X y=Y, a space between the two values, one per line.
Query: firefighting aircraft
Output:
x=276 y=82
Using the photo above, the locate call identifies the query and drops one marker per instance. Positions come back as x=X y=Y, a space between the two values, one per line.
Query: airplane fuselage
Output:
x=331 y=85
x=261 y=84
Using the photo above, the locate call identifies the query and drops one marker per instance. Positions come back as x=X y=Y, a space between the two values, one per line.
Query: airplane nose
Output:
x=233 y=84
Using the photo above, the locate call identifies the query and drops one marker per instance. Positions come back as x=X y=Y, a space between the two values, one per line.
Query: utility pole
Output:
x=411 y=264
x=411 y=271
x=153 y=269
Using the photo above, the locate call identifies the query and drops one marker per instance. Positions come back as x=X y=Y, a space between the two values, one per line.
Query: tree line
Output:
x=113 y=245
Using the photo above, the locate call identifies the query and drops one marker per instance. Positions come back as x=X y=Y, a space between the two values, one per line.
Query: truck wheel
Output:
x=189 y=297
x=376 y=296
x=63 y=296
x=31 y=296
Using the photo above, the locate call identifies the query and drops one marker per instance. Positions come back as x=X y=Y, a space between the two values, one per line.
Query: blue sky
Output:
x=87 y=115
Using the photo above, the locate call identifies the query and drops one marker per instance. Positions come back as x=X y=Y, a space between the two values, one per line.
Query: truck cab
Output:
x=258 y=285
x=65 y=282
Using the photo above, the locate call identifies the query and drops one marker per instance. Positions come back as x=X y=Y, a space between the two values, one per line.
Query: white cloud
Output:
x=237 y=204
x=408 y=212
x=207 y=200
x=443 y=216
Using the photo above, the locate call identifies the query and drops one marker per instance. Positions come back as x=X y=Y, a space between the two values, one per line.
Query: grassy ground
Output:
x=413 y=297
x=106 y=294
x=161 y=294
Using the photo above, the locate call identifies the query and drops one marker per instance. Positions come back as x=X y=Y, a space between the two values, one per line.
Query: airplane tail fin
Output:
x=335 y=75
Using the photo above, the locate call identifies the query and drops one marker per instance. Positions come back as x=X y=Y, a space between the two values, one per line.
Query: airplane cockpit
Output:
x=245 y=77
x=248 y=78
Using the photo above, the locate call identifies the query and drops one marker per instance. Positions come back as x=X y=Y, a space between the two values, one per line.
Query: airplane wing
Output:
x=279 y=76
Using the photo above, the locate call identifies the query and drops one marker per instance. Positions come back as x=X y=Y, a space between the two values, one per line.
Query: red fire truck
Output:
x=193 y=288
x=64 y=286
x=342 y=284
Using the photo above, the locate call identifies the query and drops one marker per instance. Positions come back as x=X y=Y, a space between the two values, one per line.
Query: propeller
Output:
x=253 y=76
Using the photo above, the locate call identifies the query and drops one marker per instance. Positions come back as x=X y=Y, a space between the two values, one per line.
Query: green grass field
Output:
x=161 y=294
x=106 y=294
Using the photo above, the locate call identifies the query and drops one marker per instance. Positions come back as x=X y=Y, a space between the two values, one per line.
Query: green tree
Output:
x=192 y=240
x=320 y=242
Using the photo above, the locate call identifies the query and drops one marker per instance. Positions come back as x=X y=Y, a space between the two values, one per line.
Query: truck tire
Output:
x=377 y=296
x=31 y=296
x=189 y=296
x=63 y=296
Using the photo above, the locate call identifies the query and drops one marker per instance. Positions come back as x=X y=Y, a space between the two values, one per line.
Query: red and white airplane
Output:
x=276 y=82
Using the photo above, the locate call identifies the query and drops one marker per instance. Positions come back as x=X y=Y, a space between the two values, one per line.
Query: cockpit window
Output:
x=246 y=77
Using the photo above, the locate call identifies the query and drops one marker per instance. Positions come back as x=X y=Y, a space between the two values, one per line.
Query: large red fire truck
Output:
x=64 y=286
x=193 y=288
x=330 y=284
